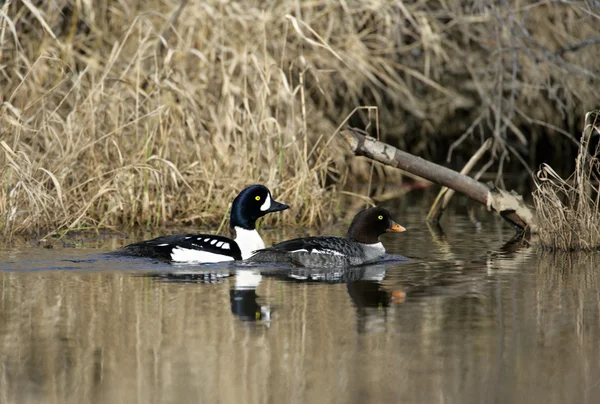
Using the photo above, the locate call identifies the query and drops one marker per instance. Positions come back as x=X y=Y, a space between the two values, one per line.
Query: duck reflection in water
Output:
x=373 y=302
x=243 y=299
x=370 y=298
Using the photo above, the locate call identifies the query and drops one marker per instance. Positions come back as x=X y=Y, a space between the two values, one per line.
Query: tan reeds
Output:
x=569 y=210
x=118 y=126
x=159 y=112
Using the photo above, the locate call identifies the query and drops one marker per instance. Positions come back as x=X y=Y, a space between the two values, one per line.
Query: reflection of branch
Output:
x=516 y=243
x=441 y=241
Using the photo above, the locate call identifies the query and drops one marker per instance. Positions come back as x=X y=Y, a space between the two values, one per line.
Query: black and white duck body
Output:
x=251 y=204
x=360 y=246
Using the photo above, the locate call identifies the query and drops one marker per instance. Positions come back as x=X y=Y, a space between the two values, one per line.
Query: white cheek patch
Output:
x=188 y=255
x=265 y=206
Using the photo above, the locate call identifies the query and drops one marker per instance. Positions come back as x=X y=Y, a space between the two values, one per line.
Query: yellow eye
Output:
x=257 y=198
x=380 y=217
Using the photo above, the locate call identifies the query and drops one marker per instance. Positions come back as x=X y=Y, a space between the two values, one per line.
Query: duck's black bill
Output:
x=277 y=206
x=395 y=228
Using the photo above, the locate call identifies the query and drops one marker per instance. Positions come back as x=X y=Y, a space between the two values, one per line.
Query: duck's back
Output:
x=314 y=252
x=185 y=247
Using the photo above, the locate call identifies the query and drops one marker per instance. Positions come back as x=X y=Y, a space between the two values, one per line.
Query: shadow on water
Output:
x=469 y=319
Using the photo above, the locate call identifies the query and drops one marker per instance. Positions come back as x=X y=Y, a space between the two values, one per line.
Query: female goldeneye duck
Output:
x=360 y=246
x=251 y=204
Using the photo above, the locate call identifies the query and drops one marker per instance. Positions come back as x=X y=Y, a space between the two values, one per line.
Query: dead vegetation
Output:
x=158 y=112
x=107 y=123
x=568 y=210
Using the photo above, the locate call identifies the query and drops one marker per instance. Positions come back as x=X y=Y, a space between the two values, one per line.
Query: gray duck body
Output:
x=360 y=246
x=321 y=252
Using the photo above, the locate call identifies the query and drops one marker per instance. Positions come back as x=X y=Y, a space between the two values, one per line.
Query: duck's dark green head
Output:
x=252 y=203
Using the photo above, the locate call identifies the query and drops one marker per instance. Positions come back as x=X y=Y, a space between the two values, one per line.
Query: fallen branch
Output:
x=509 y=204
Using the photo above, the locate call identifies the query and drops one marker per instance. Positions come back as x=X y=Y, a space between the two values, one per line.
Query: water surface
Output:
x=467 y=320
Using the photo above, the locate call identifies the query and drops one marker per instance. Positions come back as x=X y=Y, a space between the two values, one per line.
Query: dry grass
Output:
x=109 y=123
x=569 y=210
x=143 y=113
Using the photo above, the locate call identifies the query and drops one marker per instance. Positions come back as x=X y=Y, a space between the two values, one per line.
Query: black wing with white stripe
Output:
x=163 y=247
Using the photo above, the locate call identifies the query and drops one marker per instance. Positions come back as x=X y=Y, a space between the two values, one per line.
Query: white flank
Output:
x=248 y=241
x=188 y=255
x=247 y=279
x=267 y=204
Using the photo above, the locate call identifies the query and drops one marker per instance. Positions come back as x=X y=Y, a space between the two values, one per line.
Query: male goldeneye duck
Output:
x=251 y=204
x=360 y=246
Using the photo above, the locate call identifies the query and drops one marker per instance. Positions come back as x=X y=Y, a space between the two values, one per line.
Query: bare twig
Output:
x=445 y=194
x=574 y=47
